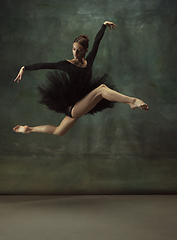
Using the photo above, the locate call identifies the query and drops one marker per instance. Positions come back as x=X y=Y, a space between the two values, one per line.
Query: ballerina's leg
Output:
x=83 y=107
x=61 y=130
x=91 y=99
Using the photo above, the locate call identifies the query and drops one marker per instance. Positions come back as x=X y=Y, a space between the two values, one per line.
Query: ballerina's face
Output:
x=78 y=51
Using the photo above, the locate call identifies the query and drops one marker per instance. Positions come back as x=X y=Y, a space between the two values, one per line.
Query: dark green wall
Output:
x=116 y=151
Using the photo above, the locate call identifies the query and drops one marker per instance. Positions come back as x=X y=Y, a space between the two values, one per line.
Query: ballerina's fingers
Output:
x=17 y=79
x=111 y=25
x=114 y=25
x=19 y=76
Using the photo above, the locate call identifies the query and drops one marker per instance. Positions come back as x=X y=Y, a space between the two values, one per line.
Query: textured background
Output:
x=116 y=151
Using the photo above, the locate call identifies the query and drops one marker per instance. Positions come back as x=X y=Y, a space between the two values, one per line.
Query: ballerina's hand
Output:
x=110 y=24
x=19 y=76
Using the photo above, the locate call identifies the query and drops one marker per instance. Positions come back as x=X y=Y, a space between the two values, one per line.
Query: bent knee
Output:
x=101 y=89
x=59 y=133
x=102 y=86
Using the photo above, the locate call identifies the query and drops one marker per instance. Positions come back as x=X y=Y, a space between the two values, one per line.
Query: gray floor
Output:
x=89 y=217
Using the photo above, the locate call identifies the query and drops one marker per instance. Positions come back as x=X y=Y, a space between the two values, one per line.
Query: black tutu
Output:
x=62 y=91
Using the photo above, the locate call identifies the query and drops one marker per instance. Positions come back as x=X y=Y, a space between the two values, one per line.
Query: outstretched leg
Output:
x=82 y=107
x=90 y=100
x=61 y=130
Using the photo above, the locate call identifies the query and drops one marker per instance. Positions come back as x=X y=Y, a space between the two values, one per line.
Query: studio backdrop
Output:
x=117 y=151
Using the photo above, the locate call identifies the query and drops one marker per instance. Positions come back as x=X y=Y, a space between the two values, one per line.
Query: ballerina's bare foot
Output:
x=139 y=103
x=22 y=129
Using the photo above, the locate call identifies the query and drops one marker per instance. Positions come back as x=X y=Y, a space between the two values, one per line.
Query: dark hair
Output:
x=82 y=40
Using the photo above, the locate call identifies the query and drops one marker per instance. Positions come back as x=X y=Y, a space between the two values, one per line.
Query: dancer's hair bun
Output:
x=83 y=40
x=85 y=36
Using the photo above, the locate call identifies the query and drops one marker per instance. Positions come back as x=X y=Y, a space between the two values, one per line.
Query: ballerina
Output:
x=72 y=89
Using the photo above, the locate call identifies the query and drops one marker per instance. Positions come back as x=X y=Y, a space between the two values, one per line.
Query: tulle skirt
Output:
x=61 y=91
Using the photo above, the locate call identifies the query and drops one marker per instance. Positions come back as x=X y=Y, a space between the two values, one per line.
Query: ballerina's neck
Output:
x=78 y=64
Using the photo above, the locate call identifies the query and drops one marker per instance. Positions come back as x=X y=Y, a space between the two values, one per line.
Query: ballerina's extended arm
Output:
x=60 y=64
